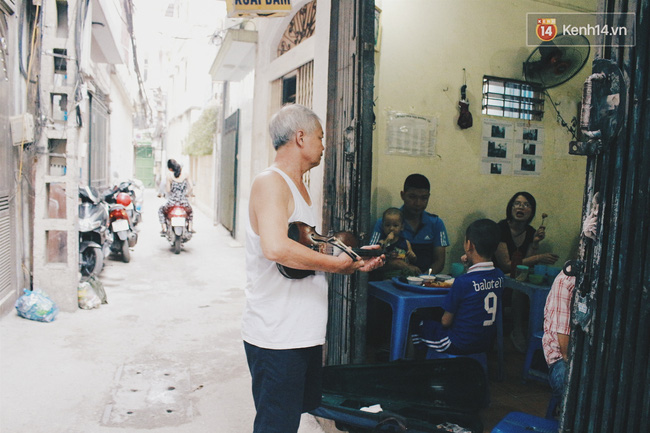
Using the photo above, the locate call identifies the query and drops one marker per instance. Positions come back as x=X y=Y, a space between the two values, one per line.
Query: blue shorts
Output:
x=430 y=334
x=286 y=383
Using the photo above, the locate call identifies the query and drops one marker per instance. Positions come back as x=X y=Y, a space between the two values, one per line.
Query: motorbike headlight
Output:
x=88 y=225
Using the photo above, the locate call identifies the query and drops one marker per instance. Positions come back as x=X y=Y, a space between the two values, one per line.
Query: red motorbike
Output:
x=178 y=227
x=121 y=228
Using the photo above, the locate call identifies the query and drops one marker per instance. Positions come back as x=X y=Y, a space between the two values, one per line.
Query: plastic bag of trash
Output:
x=36 y=305
x=99 y=288
x=88 y=299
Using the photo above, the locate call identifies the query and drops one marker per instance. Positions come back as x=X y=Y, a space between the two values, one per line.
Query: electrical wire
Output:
x=571 y=129
x=142 y=90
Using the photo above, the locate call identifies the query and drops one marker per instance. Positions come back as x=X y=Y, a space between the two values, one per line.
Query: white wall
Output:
x=121 y=130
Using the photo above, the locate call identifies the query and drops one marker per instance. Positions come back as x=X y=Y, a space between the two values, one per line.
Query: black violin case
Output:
x=429 y=396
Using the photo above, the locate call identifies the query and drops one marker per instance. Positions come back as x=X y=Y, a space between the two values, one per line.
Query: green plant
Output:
x=201 y=135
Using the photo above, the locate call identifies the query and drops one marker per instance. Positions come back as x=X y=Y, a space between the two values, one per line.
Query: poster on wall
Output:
x=529 y=149
x=509 y=148
x=410 y=134
x=497 y=147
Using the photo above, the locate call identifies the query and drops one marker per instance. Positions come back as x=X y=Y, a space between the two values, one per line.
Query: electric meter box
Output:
x=22 y=129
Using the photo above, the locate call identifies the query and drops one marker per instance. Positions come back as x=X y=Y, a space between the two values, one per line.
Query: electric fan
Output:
x=555 y=62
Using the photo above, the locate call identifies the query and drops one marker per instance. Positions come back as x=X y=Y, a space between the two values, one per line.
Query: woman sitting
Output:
x=178 y=188
x=518 y=246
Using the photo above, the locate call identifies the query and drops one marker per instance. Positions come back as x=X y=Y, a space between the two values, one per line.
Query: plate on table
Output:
x=419 y=289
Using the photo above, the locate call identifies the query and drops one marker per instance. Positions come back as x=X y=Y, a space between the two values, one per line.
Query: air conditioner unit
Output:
x=22 y=128
x=8 y=6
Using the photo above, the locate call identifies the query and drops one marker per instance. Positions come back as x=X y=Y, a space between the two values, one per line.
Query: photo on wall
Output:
x=497 y=147
x=528 y=149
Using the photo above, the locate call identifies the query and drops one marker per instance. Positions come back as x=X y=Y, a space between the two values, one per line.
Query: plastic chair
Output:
x=481 y=357
x=534 y=344
x=519 y=422
x=552 y=405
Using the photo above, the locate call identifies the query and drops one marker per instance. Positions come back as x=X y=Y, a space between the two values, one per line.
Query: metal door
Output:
x=348 y=165
x=609 y=378
x=228 y=170
x=98 y=143
x=144 y=165
x=7 y=227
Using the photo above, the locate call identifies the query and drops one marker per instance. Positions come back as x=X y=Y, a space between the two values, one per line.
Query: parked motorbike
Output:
x=94 y=239
x=178 y=229
x=135 y=189
x=122 y=230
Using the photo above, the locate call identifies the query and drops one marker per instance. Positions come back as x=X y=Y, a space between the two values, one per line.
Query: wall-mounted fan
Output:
x=555 y=62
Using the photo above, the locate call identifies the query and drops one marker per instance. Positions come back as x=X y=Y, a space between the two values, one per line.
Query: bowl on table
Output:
x=536 y=278
x=427 y=280
x=416 y=281
x=439 y=280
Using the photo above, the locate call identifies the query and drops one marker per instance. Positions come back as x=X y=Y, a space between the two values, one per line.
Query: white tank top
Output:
x=281 y=313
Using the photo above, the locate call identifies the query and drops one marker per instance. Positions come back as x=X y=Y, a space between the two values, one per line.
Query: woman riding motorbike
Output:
x=178 y=188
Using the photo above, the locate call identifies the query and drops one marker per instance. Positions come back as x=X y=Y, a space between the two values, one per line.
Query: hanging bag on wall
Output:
x=465 y=118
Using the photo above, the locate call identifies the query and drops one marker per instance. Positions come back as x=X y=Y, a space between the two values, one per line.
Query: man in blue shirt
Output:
x=426 y=232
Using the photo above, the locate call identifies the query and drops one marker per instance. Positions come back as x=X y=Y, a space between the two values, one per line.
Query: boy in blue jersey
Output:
x=468 y=324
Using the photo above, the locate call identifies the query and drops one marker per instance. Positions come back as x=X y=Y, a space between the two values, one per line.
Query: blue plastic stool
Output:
x=481 y=357
x=534 y=344
x=552 y=405
x=519 y=422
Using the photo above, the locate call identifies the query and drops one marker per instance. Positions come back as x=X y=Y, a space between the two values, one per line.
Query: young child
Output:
x=400 y=258
x=468 y=324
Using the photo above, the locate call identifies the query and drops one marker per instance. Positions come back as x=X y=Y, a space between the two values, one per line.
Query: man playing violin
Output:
x=285 y=320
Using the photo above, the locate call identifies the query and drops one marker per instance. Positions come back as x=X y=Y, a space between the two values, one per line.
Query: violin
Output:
x=307 y=236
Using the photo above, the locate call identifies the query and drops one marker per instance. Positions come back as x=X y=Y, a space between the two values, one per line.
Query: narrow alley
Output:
x=164 y=355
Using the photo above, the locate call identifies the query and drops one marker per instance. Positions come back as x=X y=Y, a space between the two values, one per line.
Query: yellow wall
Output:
x=424 y=46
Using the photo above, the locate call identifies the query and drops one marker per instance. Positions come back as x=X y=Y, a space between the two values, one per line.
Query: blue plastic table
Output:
x=403 y=303
x=537 y=294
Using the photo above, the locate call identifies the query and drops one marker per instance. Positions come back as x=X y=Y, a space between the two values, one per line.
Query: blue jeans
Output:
x=557 y=375
x=286 y=383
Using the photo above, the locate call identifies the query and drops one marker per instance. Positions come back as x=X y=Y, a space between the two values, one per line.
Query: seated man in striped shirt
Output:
x=468 y=324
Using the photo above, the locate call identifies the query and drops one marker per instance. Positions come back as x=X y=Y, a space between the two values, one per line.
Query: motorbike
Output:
x=135 y=189
x=94 y=239
x=120 y=226
x=178 y=229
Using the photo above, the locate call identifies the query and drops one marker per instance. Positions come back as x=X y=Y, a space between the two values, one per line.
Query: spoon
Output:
x=544 y=215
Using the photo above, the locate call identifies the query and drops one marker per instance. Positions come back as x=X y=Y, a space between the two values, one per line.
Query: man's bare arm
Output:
x=438 y=260
x=271 y=204
x=563 y=340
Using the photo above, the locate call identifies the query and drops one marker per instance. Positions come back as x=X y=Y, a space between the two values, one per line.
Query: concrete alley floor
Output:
x=164 y=355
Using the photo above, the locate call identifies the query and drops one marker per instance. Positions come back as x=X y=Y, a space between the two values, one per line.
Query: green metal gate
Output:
x=144 y=162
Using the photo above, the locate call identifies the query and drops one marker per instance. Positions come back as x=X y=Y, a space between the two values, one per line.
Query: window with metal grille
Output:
x=511 y=98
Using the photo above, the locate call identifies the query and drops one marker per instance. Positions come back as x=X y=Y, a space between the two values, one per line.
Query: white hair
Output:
x=289 y=120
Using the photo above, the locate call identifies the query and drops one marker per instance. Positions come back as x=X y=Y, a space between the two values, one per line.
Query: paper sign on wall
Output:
x=410 y=134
